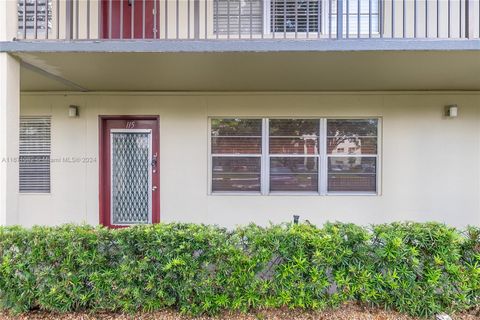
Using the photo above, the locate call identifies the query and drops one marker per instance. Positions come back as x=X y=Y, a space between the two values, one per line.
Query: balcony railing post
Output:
x=340 y=19
x=196 y=19
x=468 y=18
x=69 y=20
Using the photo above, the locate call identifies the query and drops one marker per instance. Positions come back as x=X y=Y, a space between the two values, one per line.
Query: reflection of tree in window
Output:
x=236 y=154
x=354 y=170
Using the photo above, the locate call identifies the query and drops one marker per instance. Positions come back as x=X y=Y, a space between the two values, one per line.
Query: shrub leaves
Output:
x=416 y=268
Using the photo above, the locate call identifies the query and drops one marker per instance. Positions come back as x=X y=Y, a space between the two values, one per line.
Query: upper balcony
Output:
x=161 y=20
x=272 y=45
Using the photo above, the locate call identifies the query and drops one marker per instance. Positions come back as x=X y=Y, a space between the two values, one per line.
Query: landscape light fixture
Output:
x=295 y=219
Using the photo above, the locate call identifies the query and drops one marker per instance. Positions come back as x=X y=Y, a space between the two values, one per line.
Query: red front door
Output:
x=129 y=19
x=129 y=171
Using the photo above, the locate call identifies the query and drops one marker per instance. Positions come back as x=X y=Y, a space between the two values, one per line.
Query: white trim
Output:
x=232 y=193
x=379 y=155
x=265 y=163
x=352 y=155
x=209 y=157
x=292 y=155
x=267 y=19
x=131 y=130
x=293 y=193
x=322 y=171
x=234 y=155
x=351 y=193
x=325 y=14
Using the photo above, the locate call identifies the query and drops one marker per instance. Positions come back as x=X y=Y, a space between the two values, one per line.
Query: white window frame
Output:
x=377 y=156
x=322 y=158
x=330 y=14
x=245 y=155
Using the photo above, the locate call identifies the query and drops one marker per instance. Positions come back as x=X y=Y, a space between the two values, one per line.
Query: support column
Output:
x=9 y=137
x=9 y=118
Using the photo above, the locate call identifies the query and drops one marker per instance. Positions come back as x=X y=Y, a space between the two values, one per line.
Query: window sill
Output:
x=227 y=193
x=292 y=194
x=330 y=194
x=22 y=194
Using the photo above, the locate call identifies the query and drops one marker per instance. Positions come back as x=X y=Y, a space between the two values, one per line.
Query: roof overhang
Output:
x=271 y=45
x=336 y=65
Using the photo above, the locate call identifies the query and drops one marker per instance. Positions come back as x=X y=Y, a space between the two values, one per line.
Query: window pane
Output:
x=236 y=174
x=352 y=128
x=236 y=145
x=236 y=127
x=294 y=127
x=294 y=136
x=304 y=145
x=352 y=174
x=352 y=183
x=352 y=165
x=351 y=145
x=236 y=136
x=294 y=174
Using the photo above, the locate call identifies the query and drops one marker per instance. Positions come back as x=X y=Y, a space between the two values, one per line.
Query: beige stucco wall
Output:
x=430 y=164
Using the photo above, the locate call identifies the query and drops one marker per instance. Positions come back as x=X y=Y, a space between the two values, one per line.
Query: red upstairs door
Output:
x=129 y=19
x=129 y=171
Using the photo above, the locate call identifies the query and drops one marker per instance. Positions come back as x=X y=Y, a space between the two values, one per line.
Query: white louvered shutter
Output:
x=34 y=164
x=29 y=9
x=295 y=15
x=236 y=17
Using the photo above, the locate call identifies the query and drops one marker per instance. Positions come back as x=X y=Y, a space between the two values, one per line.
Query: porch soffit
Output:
x=251 y=71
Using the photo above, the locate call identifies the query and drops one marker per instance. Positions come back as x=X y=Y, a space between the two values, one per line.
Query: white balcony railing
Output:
x=247 y=19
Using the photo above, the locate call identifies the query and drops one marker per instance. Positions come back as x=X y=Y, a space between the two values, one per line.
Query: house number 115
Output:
x=130 y=125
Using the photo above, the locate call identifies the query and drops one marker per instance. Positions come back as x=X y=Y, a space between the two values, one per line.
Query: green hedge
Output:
x=420 y=269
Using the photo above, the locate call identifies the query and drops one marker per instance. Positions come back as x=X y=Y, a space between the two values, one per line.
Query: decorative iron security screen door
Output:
x=129 y=179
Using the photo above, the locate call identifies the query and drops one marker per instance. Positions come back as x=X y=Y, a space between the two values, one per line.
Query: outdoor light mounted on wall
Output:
x=451 y=111
x=73 y=111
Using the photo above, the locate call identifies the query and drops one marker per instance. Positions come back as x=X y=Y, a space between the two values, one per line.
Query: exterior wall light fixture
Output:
x=73 y=111
x=451 y=111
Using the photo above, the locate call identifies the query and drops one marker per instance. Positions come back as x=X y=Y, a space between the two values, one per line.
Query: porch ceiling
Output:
x=251 y=71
